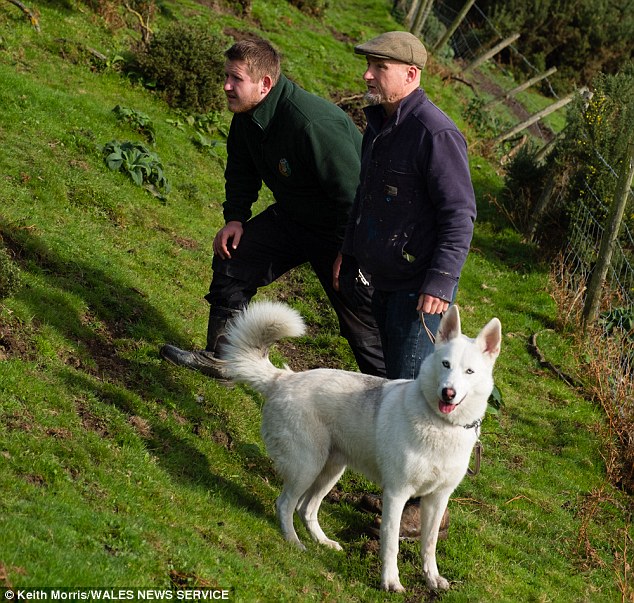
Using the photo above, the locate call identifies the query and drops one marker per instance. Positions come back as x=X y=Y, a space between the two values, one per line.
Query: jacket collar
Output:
x=265 y=111
x=377 y=120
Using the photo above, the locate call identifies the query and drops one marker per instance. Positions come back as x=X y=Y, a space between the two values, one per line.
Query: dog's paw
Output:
x=437 y=583
x=392 y=585
x=332 y=544
x=297 y=543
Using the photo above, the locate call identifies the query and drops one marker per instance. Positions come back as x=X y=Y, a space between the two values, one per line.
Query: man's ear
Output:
x=412 y=73
x=267 y=84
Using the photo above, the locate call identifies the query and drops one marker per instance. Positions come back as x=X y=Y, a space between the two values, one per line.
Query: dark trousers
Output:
x=405 y=341
x=270 y=246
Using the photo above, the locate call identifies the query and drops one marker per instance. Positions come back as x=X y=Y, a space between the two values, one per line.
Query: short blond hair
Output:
x=259 y=56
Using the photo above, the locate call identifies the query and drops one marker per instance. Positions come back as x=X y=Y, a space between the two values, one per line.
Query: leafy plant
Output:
x=209 y=123
x=619 y=318
x=495 y=401
x=136 y=160
x=483 y=121
x=210 y=133
x=209 y=145
x=138 y=120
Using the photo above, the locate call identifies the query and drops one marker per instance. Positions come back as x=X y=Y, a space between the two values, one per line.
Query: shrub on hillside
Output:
x=316 y=8
x=581 y=37
x=597 y=136
x=524 y=180
x=584 y=166
x=185 y=63
x=10 y=276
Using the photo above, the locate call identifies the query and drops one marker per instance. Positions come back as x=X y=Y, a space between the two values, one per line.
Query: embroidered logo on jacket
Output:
x=284 y=167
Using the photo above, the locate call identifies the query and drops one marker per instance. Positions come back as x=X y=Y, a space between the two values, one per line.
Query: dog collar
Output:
x=475 y=425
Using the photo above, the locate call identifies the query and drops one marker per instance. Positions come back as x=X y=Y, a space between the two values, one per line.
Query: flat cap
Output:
x=396 y=45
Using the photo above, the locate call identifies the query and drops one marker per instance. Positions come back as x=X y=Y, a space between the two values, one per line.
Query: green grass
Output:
x=117 y=470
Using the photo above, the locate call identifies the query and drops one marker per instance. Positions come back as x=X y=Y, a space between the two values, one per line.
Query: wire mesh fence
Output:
x=478 y=32
x=580 y=256
x=584 y=237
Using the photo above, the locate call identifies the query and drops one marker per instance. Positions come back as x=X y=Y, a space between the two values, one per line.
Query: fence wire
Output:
x=584 y=238
x=616 y=316
x=475 y=34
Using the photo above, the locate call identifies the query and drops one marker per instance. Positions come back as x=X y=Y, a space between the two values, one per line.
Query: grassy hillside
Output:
x=117 y=470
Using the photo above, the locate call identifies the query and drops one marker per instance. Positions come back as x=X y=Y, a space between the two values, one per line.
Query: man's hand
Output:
x=336 y=267
x=232 y=232
x=431 y=305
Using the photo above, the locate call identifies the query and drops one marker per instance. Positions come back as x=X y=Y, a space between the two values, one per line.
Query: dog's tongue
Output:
x=445 y=408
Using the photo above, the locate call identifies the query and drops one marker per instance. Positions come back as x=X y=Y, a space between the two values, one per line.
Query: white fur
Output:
x=317 y=422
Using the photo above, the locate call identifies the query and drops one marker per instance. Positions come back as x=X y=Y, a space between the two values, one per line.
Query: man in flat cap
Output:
x=412 y=220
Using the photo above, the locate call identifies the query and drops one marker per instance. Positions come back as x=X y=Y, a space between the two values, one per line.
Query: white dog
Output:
x=413 y=437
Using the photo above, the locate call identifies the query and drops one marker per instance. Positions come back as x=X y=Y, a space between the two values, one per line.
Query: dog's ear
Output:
x=490 y=338
x=449 y=327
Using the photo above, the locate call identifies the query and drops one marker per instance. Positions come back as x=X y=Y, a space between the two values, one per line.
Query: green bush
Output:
x=316 y=8
x=582 y=37
x=10 y=275
x=524 y=179
x=596 y=141
x=584 y=166
x=185 y=64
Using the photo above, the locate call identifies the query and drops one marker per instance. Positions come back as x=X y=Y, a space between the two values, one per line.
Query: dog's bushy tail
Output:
x=245 y=355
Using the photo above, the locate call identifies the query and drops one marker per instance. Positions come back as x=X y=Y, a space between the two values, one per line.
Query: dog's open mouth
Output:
x=445 y=407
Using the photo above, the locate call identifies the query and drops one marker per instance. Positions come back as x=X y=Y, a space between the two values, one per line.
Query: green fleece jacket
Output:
x=305 y=149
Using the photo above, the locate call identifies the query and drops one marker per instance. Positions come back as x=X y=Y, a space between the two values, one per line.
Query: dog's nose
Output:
x=448 y=394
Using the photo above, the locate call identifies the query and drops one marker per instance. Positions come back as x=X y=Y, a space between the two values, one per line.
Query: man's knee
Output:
x=228 y=293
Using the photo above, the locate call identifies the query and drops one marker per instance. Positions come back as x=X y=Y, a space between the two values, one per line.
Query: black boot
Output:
x=205 y=361
x=198 y=360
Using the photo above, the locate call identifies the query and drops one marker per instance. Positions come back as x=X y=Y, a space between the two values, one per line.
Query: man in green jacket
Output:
x=307 y=152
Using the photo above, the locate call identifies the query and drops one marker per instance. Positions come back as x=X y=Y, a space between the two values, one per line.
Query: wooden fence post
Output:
x=520 y=88
x=540 y=206
x=491 y=53
x=456 y=23
x=422 y=12
x=412 y=12
x=562 y=102
x=608 y=240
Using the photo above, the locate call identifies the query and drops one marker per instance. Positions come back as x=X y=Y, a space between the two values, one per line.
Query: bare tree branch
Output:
x=32 y=17
x=146 y=32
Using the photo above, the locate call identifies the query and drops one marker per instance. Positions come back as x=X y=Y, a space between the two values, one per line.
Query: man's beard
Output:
x=372 y=98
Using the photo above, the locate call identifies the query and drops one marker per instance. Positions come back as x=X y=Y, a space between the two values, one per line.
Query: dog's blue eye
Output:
x=445 y=363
